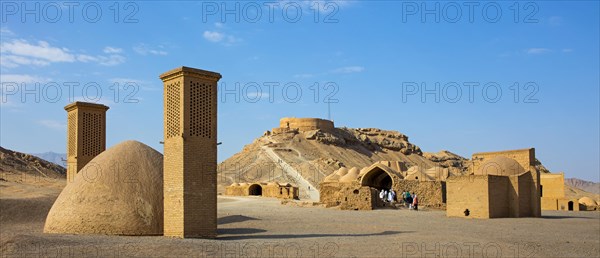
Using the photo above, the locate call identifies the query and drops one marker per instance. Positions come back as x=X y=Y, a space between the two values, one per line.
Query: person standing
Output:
x=402 y=197
x=415 y=202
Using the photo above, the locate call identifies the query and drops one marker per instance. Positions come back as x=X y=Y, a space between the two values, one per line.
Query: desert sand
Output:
x=263 y=227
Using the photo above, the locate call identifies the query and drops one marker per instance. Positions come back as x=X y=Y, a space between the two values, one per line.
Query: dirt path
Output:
x=303 y=184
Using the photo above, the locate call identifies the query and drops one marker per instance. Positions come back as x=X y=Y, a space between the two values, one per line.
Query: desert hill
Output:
x=305 y=158
x=26 y=176
x=13 y=162
x=583 y=185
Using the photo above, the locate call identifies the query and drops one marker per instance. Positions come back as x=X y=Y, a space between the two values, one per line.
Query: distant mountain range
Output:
x=584 y=185
x=56 y=158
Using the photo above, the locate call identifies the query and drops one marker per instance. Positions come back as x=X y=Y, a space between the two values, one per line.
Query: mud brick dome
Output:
x=500 y=166
x=119 y=192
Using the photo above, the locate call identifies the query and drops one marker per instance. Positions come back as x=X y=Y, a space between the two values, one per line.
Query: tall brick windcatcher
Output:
x=190 y=154
x=86 y=135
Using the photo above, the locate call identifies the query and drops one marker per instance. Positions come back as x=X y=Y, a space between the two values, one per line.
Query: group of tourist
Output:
x=387 y=196
x=410 y=200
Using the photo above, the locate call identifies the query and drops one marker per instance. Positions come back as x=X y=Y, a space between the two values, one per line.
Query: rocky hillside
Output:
x=304 y=158
x=19 y=166
x=583 y=185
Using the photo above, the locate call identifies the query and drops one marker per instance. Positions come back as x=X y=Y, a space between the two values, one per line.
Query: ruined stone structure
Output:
x=504 y=184
x=86 y=135
x=272 y=189
x=292 y=124
x=119 y=192
x=190 y=152
x=552 y=190
x=353 y=189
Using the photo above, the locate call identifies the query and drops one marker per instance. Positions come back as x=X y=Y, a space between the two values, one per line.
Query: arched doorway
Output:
x=377 y=178
x=255 y=190
x=570 y=205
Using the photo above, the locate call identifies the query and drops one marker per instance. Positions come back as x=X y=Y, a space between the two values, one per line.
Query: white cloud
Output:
x=5 y=32
x=537 y=51
x=144 y=50
x=86 y=58
x=12 y=61
x=112 y=50
x=213 y=36
x=349 y=69
x=110 y=60
x=53 y=124
x=220 y=37
x=20 y=52
x=567 y=50
x=42 y=50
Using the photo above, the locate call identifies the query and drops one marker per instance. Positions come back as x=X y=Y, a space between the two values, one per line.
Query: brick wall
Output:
x=468 y=192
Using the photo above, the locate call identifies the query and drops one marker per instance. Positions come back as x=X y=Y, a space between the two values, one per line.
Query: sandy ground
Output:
x=261 y=227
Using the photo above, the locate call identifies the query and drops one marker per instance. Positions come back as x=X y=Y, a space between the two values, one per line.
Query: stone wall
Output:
x=358 y=198
x=429 y=193
x=266 y=190
x=348 y=196
x=354 y=196
x=329 y=194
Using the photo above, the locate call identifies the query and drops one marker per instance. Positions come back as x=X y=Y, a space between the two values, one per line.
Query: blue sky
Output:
x=373 y=59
